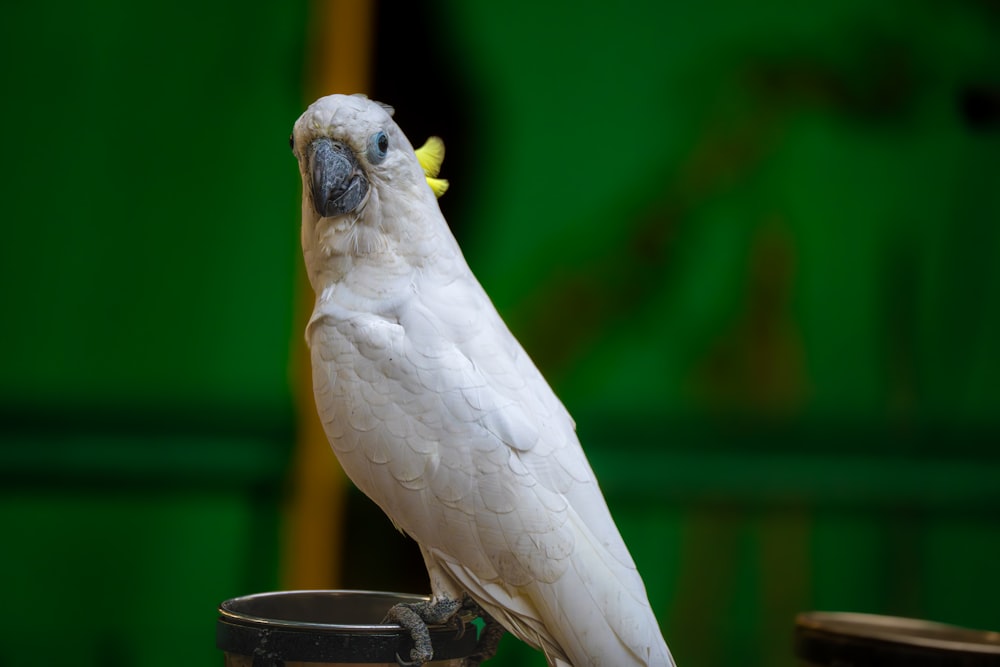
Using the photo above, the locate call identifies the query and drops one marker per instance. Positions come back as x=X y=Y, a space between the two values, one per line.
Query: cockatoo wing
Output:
x=492 y=482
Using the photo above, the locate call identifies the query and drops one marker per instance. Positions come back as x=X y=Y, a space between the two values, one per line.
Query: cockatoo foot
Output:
x=489 y=638
x=414 y=617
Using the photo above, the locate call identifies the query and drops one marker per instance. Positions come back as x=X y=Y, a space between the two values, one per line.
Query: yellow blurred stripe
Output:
x=339 y=61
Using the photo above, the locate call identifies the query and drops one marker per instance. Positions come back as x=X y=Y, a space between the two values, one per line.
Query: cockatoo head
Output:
x=345 y=144
x=358 y=172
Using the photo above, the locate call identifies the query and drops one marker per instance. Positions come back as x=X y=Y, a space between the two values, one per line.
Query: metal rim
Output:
x=902 y=630
x=863 y=640
x=227 y=612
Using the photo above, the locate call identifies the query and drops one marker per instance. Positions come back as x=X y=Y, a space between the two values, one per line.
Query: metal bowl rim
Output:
x=243 y=618
x=899 y=630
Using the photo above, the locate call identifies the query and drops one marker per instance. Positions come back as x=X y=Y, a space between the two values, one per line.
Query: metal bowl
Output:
x=858 y=640
x=327 y=628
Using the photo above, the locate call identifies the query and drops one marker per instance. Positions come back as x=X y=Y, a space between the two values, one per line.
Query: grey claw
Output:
x=408 y=663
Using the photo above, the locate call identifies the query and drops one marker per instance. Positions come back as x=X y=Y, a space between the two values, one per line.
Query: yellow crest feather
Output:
x=430 y=156
x=438 y=185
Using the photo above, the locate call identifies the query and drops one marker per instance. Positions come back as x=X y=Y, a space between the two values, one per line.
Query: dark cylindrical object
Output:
x=830 y=639
x=312 y=628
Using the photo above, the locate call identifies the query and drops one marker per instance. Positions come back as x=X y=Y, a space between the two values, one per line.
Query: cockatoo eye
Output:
x=291 y=141
x=378 y=147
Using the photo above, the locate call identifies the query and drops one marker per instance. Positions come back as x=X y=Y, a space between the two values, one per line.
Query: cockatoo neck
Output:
x=378 y=254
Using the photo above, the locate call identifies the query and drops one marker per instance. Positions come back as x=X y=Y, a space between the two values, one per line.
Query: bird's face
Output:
x=345 y=145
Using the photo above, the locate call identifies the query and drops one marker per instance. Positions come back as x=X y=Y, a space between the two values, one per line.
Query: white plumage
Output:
x=438 y=415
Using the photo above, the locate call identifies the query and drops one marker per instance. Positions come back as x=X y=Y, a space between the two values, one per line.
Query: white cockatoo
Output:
x=438 y=415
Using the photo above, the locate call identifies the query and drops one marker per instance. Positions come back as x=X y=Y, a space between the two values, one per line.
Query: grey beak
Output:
x=338 y=183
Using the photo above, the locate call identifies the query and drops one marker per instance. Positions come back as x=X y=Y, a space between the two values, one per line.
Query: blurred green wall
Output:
x=147 y=263
x=754 y=247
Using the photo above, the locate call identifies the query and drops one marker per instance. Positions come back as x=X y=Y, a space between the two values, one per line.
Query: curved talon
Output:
x=408 y=663
x=456 y=620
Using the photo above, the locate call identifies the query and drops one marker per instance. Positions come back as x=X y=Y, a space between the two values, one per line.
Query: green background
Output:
x=753 y=246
